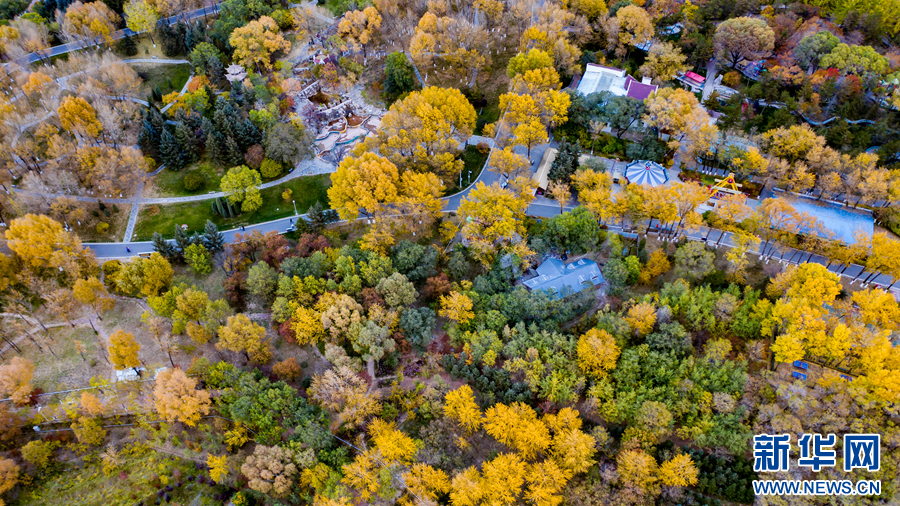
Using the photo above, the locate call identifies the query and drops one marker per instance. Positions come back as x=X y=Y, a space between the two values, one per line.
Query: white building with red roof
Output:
x=598 y=78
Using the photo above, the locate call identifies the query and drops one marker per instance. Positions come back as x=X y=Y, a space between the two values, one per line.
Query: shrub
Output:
x=193 y=182
x=287 y=194
x=287 y=369
x=270 y=168
x=102 y=227
x=483 y=148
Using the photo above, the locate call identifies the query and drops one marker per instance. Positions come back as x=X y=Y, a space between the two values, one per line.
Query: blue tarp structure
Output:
x=560 y=278
x=646 y=173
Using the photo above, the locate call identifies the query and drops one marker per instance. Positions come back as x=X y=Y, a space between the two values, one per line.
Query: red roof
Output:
x=694 y=76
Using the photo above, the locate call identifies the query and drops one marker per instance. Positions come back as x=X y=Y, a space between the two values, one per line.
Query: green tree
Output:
x=417 y=326
x=859 y=60
x=743 y=38
x=397 y=290
x=262 y=280
x=212 y=238
x=399 y=78
x=201 y=54
x=141 y=16
x=694 y=261
x=198 y=258
x=288 y=143
x=241 y=185
x=616 y=273
x=813 y=47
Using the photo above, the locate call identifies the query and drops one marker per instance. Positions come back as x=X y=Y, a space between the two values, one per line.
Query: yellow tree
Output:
x=366 y=183
x=141 y=16
x=123 y=350
x=307 y=325
x=15 y=379
x=177 y=399
x=92 y=292
x=218 y=467
x=93 y=21
x=344 y=393
x=545 y=482
x=657 y=264
x=664 y=62
x=241 y=335
x=529 y=134
x=638 y=469
x=41 y=242
x=424 y=481
x=460 y=405
x=503 y=478
x=597 y=353
x=642 y=317
x=456 y=307
x=425 y=129
x=679 y=471
x=77 y=115
x=511 y=165
x=630 y=26
x=358 y=28
x=493 y=215
x=241 y=186
x=595 y=193
x=518 y=427
x=677 y=112
x=255 y=43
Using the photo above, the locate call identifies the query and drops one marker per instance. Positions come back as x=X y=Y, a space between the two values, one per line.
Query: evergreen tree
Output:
x=156 y=119
x=163 y=247
x=235 y=155
x=237 y=91
x=224 y=118
x=254 y=135
x=182 y=241
x=212 y=238
x=188 y=142
x=149 y=139
x=170 y=151
x=128 y=46
x=319 y=218
x=157 y=93
x=566 y=162
x=241 y=135
x=206 y=128
x=215 y=148
x=215 y=69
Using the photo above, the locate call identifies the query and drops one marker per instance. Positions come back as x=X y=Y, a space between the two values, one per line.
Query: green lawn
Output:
x=170 y=183
x=474 y=161
x=137 y=481
x=306 y=191
x=169 y=78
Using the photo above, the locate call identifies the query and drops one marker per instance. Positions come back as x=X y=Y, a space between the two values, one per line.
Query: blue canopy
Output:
x=646 y=173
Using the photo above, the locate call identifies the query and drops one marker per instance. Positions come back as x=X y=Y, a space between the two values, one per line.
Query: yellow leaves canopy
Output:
x=680 y=471
x=177 y=398
x=457 y=307
x=518 y=427
x=597 y=353
x=460 y=405
x=123 y=350
x=255 y=43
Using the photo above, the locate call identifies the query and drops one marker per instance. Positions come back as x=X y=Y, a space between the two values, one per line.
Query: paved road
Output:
x=120 y=34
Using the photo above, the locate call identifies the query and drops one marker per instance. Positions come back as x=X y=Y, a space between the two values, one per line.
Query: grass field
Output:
x=137 y=481
x=170 y=183
x=169 y=78
x=163 y=218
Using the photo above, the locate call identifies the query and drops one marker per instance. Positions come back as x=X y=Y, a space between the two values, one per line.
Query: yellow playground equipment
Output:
x=725 y=185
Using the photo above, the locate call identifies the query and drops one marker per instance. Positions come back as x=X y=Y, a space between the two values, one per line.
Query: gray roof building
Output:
x=562 y=279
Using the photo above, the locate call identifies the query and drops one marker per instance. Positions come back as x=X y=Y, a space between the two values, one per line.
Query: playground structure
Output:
x=725 y=185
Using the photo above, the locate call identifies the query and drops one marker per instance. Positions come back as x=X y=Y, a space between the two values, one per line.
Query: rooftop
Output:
x=598 y=78
x=558 y=277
